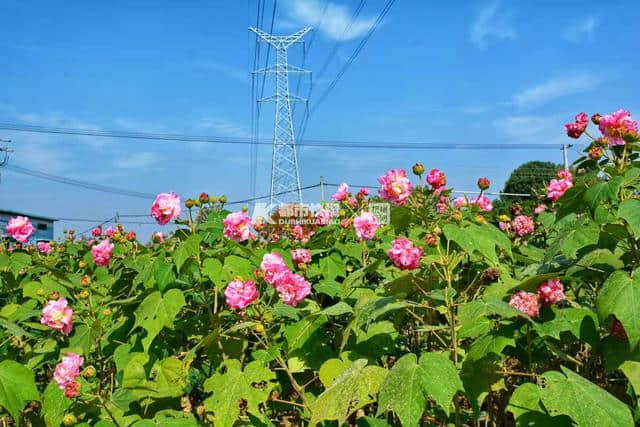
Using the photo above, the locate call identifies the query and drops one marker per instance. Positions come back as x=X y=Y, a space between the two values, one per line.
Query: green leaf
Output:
x=18 y=261
x=186 y=250
x=629 y=210
x=489 y=344
x=54 y=404
x=473 y=316
x=238 y=266
x=212 y=268
x=567 y=393
x=338 y=309
x=170 y=378
x=163 y=274
x=83 y=338
x=528 y=411
x=353 y=389
x=403 y=391
x=620 y=296
x=233 y=385
x=330 y=370
x=440 y=378
x=580 y=322
x=156 y=312
x=17 y=387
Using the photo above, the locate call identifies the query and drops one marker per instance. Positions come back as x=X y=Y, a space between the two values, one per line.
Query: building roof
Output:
x=16 y=213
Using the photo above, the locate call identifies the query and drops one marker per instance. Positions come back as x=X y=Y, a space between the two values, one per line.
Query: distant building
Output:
x=42 y=224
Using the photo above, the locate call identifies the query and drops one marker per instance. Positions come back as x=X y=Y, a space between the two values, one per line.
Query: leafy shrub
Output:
x=446 y=315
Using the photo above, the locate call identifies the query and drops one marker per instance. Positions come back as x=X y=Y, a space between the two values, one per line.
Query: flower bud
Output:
x=69 y=420
x=123 y=240
x=457 y=216
x=131 y=236
x=84 y=294
x=302 y=266
x=106 y=312
x=82 y=264
x=213 y=199
x=437 y=230
x=484 y=183
x=189 y=203
x=120 y=228
x=516 y=209
x=418 y=169
x=432 y=240
x=54 y=295
x=60 y=248
x=89 y=372
x=196 y=203
x=504 y=218
x=491 y=275
x=85 y=280
x=200 y=410
x=117 y=235
x=223 y=199
x=595 y=153
x=479 y=219
x=596 y=118
x=259 y=328
x=259 y=273
x=204 y=198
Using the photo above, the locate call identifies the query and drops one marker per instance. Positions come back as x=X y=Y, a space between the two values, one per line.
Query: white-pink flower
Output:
x=102 y=253
x=395 y=186
x=292 y=288
x=366 y=225
x=45 y=248
x=522 y=225
x=68 y=369
x=58 y=315
x=273 y=267
x=301 y=256
x=342 y=193
x=20 y=228
x=166 y=207
x=237 y=226
x=404 y=254
x=324 y=217
x=615 y=125
x=240 y=294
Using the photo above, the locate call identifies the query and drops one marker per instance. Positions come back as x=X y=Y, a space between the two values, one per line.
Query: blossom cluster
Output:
x=20 y=228
x=67 y=371
x=237 y=226
x=395 y=186
x=404 y=254
x=292 y=287
x=557 y=187
x=240 y=294
x=166 y=207
x=549 y=292
x=58 y=315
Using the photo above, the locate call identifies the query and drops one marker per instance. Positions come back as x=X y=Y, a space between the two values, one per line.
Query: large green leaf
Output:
x=620 y=296
x=403 y=391
x=528 y=411
x=580 y=322
x=253 y=385
x=441 y=380
x=409 y=383
x=629 y=210
x=17 y=387
x=54 y=404
x=356 y=387
x=158 y=311
x=187 y=249
x=473 y=317
x=567 y=393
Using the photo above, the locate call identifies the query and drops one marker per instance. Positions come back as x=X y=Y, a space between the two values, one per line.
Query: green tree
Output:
x=528 y=178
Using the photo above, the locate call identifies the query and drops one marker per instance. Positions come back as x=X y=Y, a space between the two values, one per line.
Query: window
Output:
x=42 y=226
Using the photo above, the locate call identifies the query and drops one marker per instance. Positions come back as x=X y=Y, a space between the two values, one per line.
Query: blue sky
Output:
x=473 y=72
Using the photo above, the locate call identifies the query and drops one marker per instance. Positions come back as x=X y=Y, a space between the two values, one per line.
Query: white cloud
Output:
x=556 y=88
x=221 y=126
x=582 y=30
x=332 y=21
x=491 y=23
x=523 y=127
x=136 y=160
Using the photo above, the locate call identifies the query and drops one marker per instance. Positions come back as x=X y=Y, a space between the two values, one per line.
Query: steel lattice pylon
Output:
x=285 y=179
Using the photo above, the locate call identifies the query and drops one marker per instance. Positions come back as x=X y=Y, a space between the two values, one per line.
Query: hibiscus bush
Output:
x=448 y=314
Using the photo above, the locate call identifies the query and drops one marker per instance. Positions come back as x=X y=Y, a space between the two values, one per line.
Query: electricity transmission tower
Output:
x=285 y=179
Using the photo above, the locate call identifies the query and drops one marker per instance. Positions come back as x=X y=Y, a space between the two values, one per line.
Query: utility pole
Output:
x=322 y=189
x=565 y=155
x=285 y=178
x=4 y=150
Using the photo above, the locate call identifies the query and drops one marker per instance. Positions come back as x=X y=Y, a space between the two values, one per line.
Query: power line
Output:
x=453 y=191
x=78 y=183
x=344 y=68
x=243 y=140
